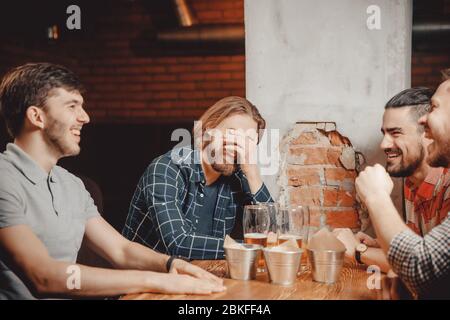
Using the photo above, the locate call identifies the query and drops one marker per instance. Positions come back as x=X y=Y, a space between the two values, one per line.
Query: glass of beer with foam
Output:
x=293 y=222
x=256 y=225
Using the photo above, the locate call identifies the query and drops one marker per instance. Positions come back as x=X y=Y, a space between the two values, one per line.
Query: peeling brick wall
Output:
x=318 y=169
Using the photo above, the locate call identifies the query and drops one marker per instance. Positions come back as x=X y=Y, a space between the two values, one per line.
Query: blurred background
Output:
x=151 y=66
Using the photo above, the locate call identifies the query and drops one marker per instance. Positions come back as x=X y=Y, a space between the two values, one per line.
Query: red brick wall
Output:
x=426 y=67
x=314 y=174
x=428 y=57
x=126 y=86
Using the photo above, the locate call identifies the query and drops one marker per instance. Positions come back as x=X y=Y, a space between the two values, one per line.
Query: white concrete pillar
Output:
x=328 y=60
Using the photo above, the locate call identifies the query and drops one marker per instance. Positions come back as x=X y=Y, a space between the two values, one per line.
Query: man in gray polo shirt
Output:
x=45 y=211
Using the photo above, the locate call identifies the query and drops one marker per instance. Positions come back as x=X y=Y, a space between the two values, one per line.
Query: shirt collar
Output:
x=427 y=187
x=27 y=166
x=199 y=175
x=192 y=157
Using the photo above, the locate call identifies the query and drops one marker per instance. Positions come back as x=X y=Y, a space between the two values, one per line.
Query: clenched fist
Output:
x=373 y=181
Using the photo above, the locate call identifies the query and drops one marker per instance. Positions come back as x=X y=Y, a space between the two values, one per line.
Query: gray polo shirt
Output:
x=55 y=206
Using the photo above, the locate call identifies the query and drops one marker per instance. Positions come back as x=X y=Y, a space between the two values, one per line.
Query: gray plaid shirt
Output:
x=423 y=264
x=164 y=211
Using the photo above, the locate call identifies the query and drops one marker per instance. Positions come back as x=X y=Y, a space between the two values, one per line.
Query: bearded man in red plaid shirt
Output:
x=426 y=189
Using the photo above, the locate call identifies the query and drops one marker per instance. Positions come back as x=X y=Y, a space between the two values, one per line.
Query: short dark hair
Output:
x=418 y=98
x=30 y=85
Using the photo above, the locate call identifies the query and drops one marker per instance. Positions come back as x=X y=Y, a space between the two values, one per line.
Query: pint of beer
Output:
x=256 y=238
x=256 y=224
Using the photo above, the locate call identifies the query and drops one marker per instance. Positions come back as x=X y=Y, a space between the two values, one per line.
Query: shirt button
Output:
x=201 y=195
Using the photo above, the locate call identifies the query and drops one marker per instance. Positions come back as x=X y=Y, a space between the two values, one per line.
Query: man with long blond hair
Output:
x=189 y=198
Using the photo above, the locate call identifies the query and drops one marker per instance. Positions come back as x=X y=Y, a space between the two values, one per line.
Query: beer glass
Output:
x=293 y=223
x=272 y=236
x=256 y=225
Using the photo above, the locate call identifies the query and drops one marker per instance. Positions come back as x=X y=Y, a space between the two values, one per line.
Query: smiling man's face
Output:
x=64 y=118
x=403 y=142
x=437 y=127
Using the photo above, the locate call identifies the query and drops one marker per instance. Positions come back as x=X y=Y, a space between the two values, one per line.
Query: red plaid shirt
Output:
x=427 y=205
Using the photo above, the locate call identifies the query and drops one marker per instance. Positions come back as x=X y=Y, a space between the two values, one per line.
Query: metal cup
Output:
x=243 y=262
x=282 y=265
x=326 y=264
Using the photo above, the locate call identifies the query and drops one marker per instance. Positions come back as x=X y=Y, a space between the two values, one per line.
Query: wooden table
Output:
x=352 y=285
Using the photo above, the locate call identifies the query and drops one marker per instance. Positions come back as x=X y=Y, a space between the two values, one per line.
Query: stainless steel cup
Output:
x=243 y=262
x=282 y=265
x=326 y=265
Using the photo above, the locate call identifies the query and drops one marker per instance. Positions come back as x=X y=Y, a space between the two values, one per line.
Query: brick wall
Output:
x=127 y=85
x=430 y=53
x=124 y=83
x=426 y=67
x=319 y=170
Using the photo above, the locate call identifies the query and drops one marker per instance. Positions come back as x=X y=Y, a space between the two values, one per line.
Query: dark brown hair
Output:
x=30 y=85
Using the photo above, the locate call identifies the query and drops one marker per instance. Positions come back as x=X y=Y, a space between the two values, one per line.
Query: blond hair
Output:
x=225 y=108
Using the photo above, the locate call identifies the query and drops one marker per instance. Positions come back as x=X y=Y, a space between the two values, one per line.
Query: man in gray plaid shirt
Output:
x=423 y=264
x=188 y=199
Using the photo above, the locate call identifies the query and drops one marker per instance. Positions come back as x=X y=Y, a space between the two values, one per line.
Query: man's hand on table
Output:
x=182 y=267
x=172 y=283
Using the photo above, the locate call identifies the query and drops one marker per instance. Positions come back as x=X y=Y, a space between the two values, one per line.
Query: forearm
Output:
x=139 y=257
x=62 y=279
x=254 y=180
x=385 y=219
x=195 y=246
x=422 y=263
x=375 y=256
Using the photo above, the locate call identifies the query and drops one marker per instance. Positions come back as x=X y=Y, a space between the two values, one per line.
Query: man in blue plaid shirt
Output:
x=422 y=263
x=188 y=199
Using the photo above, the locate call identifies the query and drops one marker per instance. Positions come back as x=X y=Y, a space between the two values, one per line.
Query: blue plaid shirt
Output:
x=164 y=212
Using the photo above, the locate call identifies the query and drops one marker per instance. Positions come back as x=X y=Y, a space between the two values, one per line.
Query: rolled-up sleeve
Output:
x=422 y=263
x=260 y=196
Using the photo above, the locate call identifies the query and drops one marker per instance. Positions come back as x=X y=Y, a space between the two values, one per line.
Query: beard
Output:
x=440 y=157
x=406 y=169
x=225 y=169
x=56 y=135
x=219 y=163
